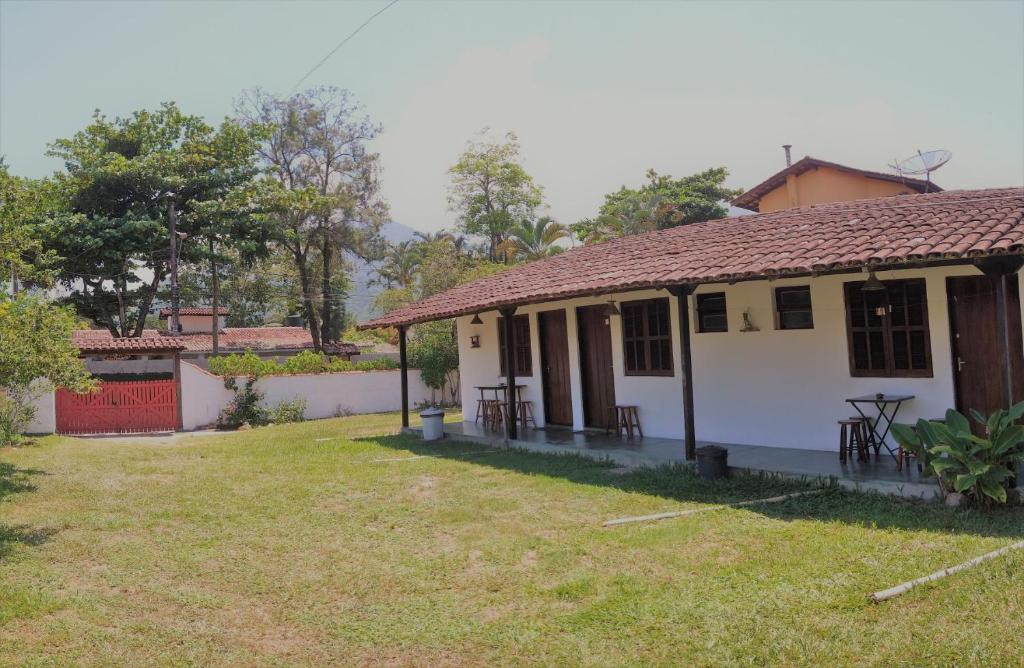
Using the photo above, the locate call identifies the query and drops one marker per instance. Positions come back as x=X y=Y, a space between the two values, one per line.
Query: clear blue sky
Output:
x=597 y=91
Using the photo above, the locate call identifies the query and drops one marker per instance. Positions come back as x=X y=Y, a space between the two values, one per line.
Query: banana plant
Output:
x=963 y=462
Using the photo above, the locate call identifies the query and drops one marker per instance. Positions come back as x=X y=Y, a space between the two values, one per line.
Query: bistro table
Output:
x=879 y=426
x=503 y=388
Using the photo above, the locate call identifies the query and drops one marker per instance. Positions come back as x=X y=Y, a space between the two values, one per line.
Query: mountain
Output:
x=360 y=300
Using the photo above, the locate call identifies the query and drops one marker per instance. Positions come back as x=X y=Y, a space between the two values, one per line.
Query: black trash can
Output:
x=712 y=462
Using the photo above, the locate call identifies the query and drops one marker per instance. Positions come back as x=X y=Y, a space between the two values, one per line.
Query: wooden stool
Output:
x=627 y=418
x=481 y=411
x=852 y=433
x=494 y=413
x=526 y=413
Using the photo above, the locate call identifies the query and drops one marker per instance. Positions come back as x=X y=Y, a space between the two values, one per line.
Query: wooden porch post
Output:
x=403 y=363
x=507 y=314
x=682 y=294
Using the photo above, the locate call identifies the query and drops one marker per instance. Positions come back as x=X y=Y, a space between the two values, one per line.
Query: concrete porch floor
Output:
x=879 y=474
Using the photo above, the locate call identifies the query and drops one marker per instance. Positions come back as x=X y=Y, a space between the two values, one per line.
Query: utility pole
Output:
x=172 y=215
x=216 y=309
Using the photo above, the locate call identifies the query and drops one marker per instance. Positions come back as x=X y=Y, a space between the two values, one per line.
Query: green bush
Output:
x=244 y=408
x=247 y=364
x=289 y=411
x=964 y=463
x=16 y=413
x=379 y=364
x=253 y=366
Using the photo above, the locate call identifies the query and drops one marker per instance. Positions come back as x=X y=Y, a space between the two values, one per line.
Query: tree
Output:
x=23 y=203
x=35 y=345
x=123 y=179
x=636 y=214
x=491 y=191
x=328 y=204
x=401 y=260
x=434 y=350
x=532 y=241
x=690 y=199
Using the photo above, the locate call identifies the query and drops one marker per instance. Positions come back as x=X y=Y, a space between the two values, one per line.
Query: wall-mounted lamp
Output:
x=474 y=341
x=476 y=320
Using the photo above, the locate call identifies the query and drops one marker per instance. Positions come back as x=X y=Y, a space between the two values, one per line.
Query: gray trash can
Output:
x=712 y=462
x=433 y=424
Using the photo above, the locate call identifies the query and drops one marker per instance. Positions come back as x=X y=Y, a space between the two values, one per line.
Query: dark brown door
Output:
x=554 y=358
x=596 y=365
x=977 y=360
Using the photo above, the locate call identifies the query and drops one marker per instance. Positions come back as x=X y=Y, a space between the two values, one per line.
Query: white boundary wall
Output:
x=768 y=387
x=327 y=394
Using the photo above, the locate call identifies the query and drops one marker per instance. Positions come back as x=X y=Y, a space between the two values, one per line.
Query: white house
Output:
x=756 y=329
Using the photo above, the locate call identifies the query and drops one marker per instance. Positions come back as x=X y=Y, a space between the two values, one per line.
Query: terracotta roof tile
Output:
x=194 y=310
x=231 y=339
x=109 y=344
x=824 y=237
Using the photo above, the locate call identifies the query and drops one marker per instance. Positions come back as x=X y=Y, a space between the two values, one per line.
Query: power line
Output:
x=341 y=44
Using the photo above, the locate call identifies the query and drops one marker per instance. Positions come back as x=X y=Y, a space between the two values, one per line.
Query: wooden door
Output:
x=596 y=365
x=977 y=360
x=554 y=359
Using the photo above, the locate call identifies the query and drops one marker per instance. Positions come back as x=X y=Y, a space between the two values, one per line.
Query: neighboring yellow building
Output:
x=813 y=181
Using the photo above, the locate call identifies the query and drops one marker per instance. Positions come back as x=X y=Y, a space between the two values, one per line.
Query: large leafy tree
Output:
x=491 y=191
x=401 y=262
x=123 y=178
x=328 y=206
x=23 y=260
x=660 y=203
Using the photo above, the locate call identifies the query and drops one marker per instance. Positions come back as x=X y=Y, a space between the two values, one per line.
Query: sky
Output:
x=598 y=92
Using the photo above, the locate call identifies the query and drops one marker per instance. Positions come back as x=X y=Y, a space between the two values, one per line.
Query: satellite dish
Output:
x=922 y=163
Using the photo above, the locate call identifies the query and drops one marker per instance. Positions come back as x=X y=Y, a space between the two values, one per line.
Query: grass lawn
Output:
x=296 y=545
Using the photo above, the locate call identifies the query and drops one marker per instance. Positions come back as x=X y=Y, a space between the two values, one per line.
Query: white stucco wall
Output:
x=770 y=387
x=45 y=421
x=328 y=394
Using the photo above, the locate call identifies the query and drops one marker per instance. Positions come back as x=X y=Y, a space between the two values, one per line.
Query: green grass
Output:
x=271 y=547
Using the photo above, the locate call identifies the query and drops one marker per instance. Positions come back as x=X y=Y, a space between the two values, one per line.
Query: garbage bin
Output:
x=433 y=424
x=712 y=462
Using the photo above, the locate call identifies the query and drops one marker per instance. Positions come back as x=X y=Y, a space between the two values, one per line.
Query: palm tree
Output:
x=401 y=262
x=633 y=216
x=532 y=241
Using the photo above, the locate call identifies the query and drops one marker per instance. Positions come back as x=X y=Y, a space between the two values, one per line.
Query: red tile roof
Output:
x=97 y=344
x=194 y=310
x=751 y=198
x=231 y=339
x=885 y=231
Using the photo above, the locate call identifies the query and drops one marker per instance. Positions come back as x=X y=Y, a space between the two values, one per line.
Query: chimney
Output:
x=789 y=159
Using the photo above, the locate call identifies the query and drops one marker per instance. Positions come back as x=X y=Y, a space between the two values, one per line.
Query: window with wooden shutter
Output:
x=793 y=308
x=522 y=355
x=711 y=313
x=887 y=330
x=647 y=337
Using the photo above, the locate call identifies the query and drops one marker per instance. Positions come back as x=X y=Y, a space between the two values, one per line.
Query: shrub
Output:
x=15 y=416
x=289 y=411
x=247 y=364
x=252 y=365
x=379 y=364
x=965 y=463
x=244 y=408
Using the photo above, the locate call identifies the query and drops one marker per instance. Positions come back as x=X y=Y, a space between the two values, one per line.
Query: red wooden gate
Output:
x=119 y=408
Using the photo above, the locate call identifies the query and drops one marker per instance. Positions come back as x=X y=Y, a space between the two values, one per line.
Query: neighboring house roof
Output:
x=749 y=200
x=194 y=310
x=885 y=231
x=95 y=344
x=231 y=339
